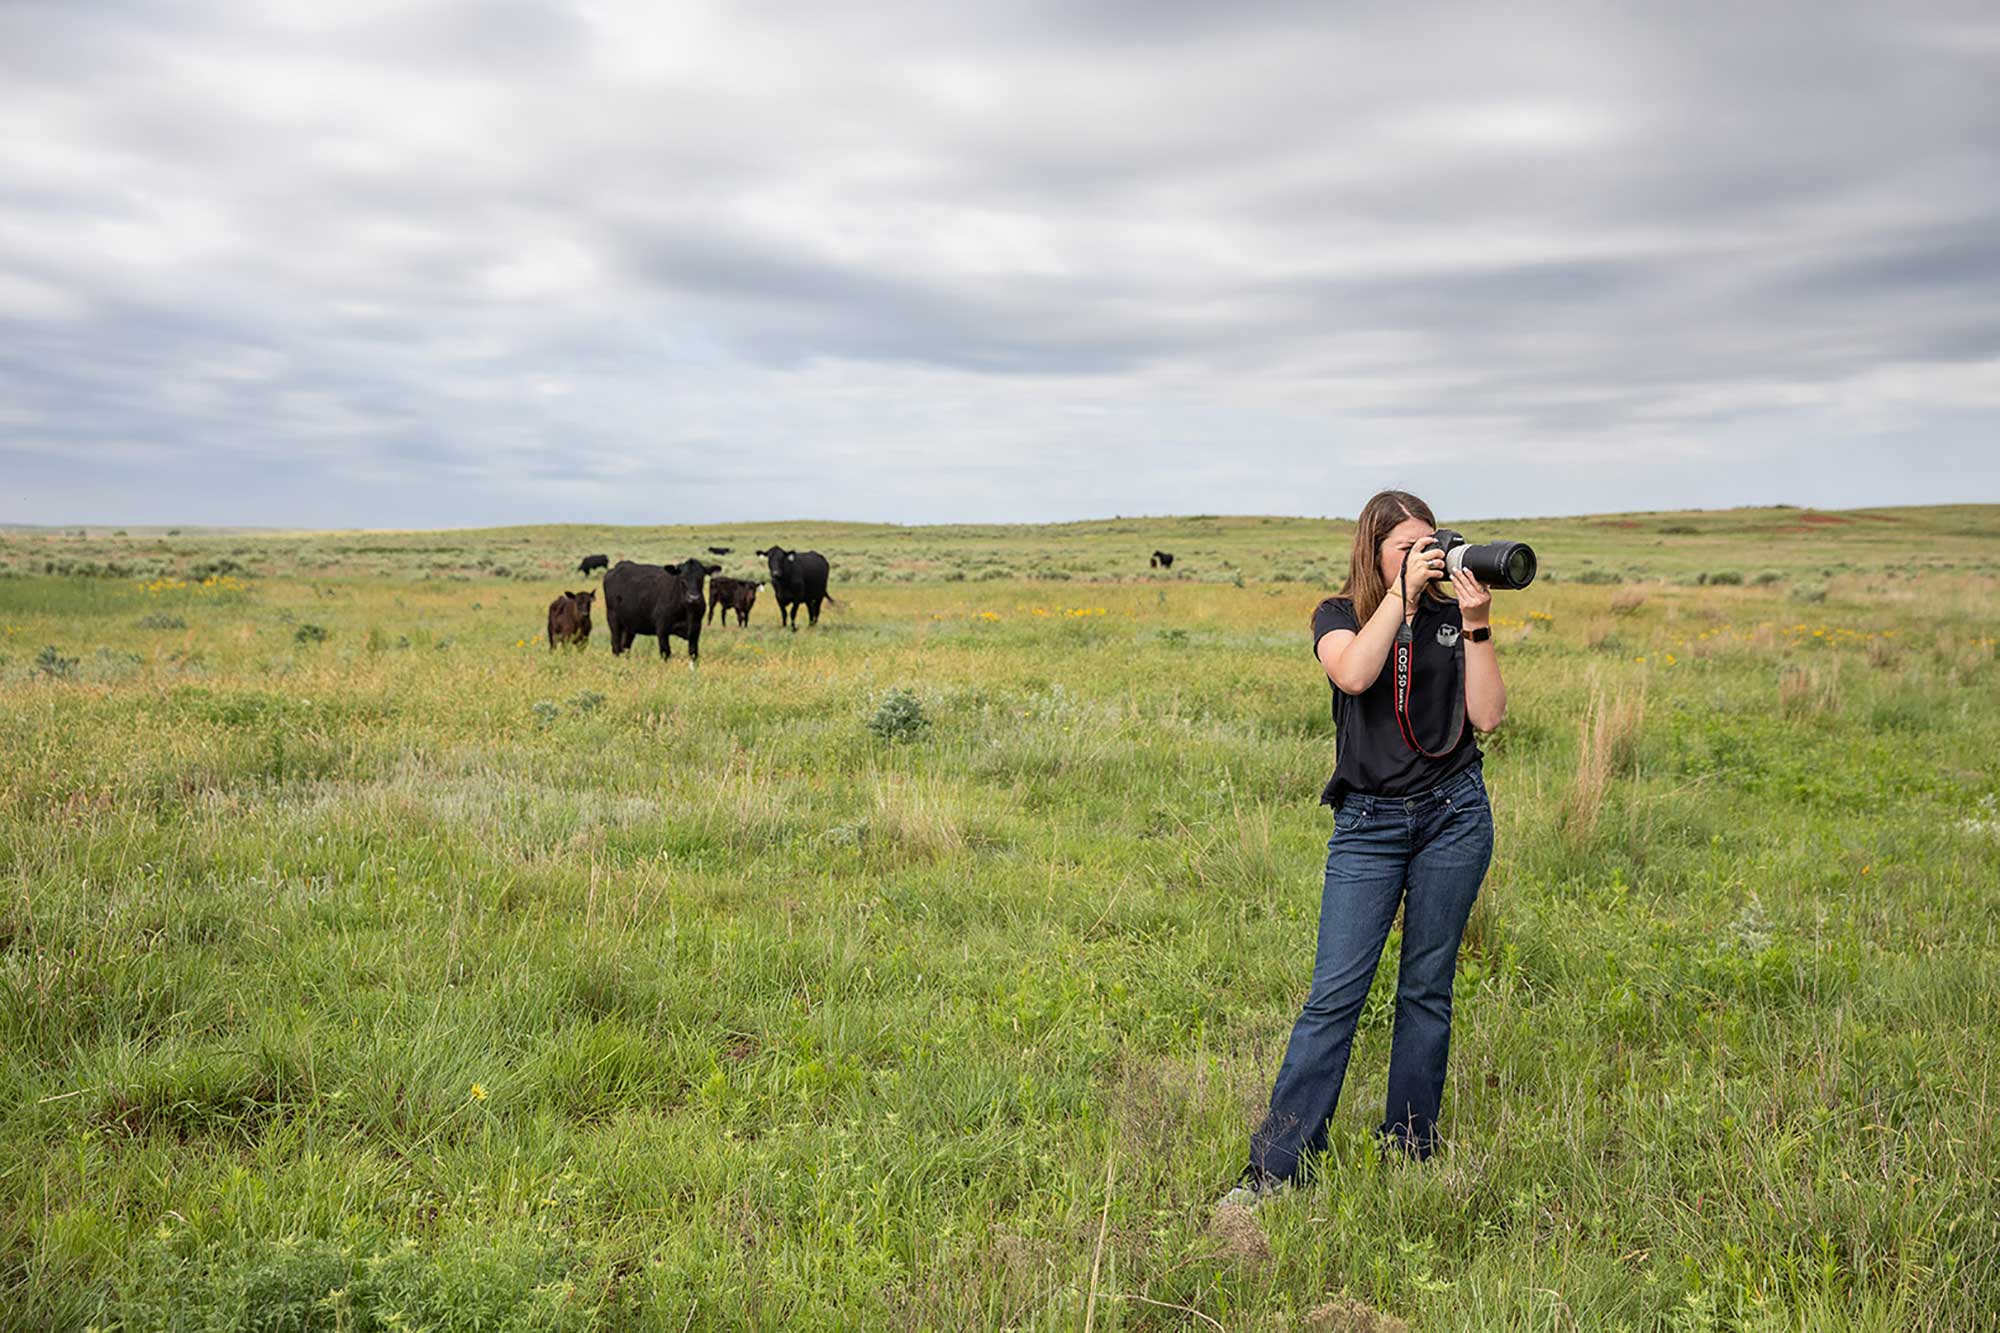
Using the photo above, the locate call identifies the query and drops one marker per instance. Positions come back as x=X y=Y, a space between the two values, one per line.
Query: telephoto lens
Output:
x=1495 y=564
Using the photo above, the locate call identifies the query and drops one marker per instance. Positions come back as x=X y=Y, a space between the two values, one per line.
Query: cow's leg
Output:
x=813 y=606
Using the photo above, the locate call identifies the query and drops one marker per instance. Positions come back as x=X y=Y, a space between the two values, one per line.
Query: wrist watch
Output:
x=1480 y=635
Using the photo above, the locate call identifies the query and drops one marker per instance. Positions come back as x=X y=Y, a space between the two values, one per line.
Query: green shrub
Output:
x=51 y=663
x=899 y=716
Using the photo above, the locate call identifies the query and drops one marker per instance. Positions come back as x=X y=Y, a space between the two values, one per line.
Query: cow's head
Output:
x=691 y=573
x=779 y=559
x=583 y=600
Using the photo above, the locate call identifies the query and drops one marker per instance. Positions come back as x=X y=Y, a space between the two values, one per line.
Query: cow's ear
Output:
x=791 y=556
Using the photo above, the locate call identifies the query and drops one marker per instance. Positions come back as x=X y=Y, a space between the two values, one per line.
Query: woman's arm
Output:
x=1352 y=660
x=1485 y=693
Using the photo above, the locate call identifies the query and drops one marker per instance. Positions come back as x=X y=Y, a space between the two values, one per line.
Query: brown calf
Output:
x=737 y=595
x=569 y=619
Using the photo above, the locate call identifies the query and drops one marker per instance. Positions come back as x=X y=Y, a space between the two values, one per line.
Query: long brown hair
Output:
x=1379 y=517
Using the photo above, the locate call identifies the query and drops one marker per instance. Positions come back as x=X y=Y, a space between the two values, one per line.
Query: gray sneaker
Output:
x=1252 y=1188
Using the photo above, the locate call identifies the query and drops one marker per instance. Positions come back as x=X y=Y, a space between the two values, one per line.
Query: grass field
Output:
x=366 y=965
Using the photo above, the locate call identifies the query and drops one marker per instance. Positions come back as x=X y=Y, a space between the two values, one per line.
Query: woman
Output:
x=1412 y=827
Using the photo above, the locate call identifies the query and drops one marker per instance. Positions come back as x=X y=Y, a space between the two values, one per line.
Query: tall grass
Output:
x=1607 y=748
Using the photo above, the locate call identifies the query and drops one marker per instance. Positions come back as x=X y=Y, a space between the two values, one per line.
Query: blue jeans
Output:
x=1429 y=853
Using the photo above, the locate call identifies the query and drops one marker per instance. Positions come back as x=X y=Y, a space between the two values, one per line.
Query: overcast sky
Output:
x=399 y=263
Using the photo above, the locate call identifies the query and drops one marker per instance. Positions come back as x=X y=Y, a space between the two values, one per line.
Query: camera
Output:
x=1495 y=564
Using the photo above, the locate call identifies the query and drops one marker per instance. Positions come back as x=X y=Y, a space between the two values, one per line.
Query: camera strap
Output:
x=1404 y=653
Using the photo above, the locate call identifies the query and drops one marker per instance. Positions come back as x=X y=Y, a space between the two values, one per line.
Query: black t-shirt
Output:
x=1370 y=754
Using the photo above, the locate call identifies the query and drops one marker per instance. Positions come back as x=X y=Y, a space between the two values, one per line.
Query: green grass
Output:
x=417 y=976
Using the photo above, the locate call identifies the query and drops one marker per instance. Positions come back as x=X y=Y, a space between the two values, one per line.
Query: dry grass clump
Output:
x=1809 y=691
x=1607 y=747
x=1627 y=600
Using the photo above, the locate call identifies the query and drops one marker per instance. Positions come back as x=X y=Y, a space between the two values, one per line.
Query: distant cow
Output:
x=720 y=550
x=591 y=562
x=569 y=619
x=737 y=595
x=797 y=577
x=1163 y=560
x=657 y=600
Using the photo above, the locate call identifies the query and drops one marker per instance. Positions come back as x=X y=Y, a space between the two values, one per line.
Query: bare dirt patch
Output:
x=1344 y=1314
x=1237 y=1230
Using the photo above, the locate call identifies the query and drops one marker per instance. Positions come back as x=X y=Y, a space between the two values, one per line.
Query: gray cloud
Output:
x=454 y=263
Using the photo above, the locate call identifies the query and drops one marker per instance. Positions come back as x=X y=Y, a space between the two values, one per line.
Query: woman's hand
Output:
x=1424 y=565
x=1475 y=599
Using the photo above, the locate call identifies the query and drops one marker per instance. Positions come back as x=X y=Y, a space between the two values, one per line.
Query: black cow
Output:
x=1163 y=560
x=727 y=595
x=720 y=550
x=657 y=600
x=591 y=562
x=797 y=576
